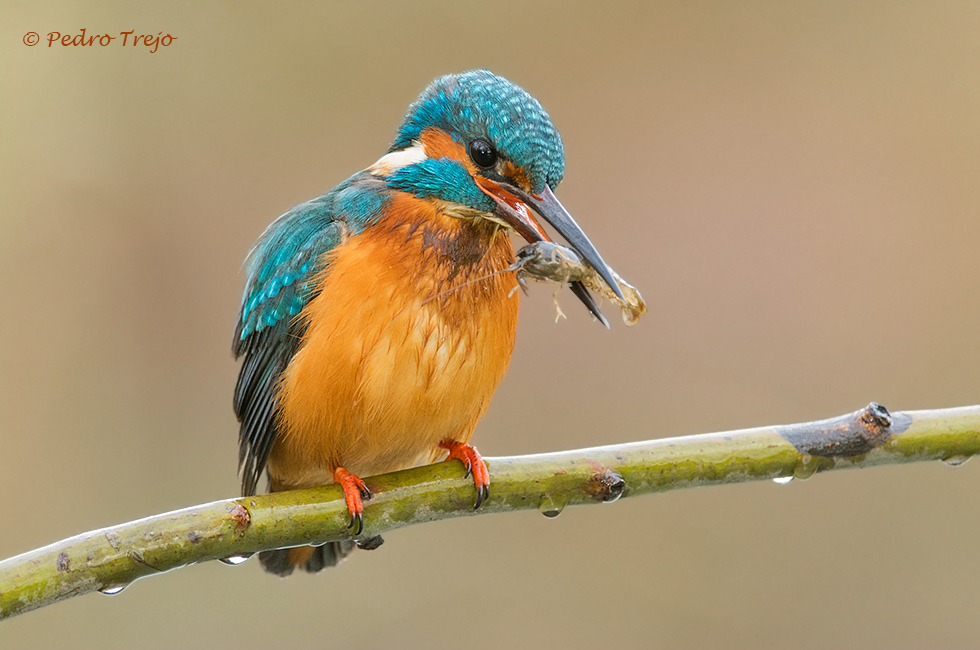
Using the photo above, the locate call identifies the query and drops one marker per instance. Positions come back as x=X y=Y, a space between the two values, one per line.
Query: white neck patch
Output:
x=395 y=160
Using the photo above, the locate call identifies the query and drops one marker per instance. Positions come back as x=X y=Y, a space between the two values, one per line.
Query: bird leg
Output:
x=474 y=463
x=355 y=493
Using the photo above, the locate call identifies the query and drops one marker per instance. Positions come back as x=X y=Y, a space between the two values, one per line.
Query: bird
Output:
x=378 y=319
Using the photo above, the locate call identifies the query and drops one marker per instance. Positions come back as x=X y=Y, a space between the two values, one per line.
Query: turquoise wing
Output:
x=281 y=268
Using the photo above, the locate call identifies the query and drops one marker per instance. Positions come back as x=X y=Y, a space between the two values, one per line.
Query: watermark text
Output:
x=131 y=39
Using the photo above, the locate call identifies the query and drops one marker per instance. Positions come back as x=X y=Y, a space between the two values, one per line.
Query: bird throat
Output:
x=448 y=251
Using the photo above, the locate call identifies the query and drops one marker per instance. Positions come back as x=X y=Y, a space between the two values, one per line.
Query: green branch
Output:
x=109 y=559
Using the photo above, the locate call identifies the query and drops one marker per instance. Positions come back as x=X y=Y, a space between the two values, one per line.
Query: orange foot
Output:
x=355 y=492
x=474 y=463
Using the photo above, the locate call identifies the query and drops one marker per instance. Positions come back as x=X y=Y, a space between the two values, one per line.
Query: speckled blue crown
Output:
x=479 y=104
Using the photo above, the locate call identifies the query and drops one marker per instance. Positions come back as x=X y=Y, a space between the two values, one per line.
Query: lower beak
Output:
x=516 y=208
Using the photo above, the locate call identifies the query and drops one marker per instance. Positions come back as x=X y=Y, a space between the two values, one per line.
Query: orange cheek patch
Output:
x=439 y=144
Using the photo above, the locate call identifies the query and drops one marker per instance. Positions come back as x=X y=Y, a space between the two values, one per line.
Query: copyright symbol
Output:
x=31 y=39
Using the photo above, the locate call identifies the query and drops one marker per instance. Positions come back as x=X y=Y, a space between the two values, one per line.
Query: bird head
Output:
x=487 y=150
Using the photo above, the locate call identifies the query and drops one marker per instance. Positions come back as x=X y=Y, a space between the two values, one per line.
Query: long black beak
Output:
x=513 y=204
x=552 y=211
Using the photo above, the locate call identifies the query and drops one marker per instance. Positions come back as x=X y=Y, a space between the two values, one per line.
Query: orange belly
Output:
x=408 y=337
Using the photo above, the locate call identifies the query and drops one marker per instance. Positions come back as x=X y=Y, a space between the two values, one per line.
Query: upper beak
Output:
x=515 y=207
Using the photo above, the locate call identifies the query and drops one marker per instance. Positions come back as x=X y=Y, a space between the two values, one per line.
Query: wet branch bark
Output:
x=110 y=558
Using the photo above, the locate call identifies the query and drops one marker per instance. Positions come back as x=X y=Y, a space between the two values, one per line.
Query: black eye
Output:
x=482 y=153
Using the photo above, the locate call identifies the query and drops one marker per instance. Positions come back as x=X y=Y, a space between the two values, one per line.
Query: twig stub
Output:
x=848 y=435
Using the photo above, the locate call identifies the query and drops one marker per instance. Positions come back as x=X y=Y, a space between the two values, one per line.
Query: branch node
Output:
x=876 y=420
x=848 y=435
x=242 y=518
x=605 y=485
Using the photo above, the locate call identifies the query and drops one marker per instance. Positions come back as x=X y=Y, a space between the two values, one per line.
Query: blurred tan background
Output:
x=793 y=186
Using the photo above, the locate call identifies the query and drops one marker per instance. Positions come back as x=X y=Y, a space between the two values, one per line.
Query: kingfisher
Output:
x=378 y=318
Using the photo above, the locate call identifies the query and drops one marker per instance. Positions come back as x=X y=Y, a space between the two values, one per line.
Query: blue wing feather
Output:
x=280 y=271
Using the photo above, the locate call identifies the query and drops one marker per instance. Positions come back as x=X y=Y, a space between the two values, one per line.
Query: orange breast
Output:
x=408 y=337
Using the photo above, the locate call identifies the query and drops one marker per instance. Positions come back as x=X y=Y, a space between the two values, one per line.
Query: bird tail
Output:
x=283 y=561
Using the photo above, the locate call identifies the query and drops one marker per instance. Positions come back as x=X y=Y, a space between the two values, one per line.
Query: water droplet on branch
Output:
x=551 y=507
x=956 y=460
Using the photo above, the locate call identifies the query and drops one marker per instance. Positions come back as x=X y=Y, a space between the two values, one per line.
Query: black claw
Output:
x=359 y=520
x=365 y=493
x=479 y=497
x=469 y=469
